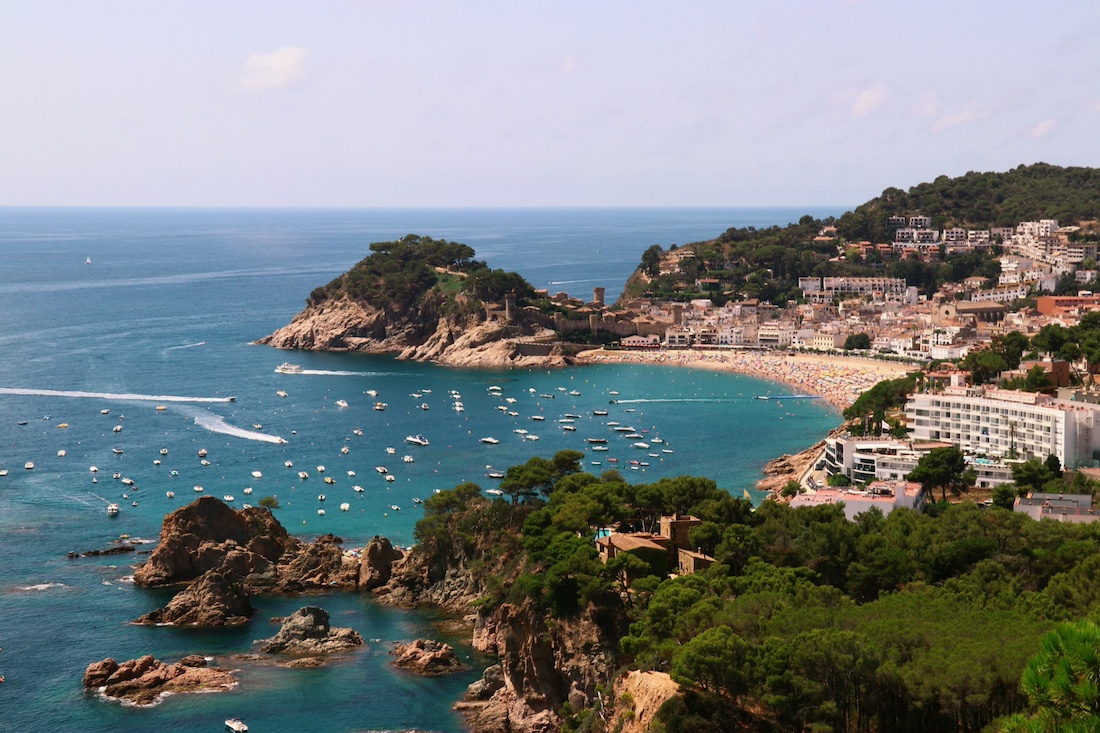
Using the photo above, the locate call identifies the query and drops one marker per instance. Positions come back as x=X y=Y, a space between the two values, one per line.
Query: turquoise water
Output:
x=168 y=308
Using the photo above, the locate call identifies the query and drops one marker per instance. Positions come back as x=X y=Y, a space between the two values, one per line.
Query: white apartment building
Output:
x=774 y=335
x=997 y=422
x=886 y=459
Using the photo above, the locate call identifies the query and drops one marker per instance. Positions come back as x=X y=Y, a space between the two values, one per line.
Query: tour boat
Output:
x=112 y=510
x=416 y=440
x=287 y=368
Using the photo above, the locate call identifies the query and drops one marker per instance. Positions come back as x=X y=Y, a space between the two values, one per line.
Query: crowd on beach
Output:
x=836 y=379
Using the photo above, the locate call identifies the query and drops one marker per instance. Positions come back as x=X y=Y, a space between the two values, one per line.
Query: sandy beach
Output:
x=839 y=379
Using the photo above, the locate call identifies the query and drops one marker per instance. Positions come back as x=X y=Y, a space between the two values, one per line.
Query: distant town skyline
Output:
x=386 y=104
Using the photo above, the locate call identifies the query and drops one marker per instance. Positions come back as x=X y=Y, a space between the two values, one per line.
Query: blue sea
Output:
x=167 y=311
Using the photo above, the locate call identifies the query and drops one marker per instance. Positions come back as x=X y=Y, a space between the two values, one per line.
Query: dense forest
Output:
x=766 y=263
x=397 y=274
x=807 y=621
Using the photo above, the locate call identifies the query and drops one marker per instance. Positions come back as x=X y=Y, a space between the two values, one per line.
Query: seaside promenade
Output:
x=839 y=379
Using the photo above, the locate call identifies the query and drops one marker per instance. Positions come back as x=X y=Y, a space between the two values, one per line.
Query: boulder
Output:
x=141 y=681
x=215 y=599
x=307 y=632
x=492 y=679
x=376 y=565
x=320 y=564
x=428 y=658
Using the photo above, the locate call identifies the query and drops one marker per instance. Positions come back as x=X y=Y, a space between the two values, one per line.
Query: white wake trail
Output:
x=217 y=424
x=677 y=399
x=109 y=395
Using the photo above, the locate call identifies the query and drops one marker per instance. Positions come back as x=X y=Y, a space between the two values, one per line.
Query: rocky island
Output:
x=428 y=300
x=143 y=681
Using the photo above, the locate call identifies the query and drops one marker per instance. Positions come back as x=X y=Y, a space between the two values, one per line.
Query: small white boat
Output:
x=202 y=452
x=117 y=451
x=459 y=408
x=320 y=497
x=666 y=450
x=4 y=472
x=496 y=474
x=493 y=492
x=357 y=431
x=281 y=393
x=510 y=400
x=395 y=507
x=257 y=426
x=236 y=725
x=288 y=464
x=321 y=512
x=502 y=408
x=389 y=477
x=248 y=490
x=345 y=506
x=117 y=428
x=657 y=440
x=371 y=392
x=197 y=488
x=380 y=469
x=173 y=472
x=257 y=474
x=358 y=489
x=599 y=447
x=416 y=440
x=61 y=453
x=640 y=444
x=287 y=368
x=104 y=412
x=112 y=510
x=424 y=406
x=93 y=469
x=530 y=437
x=303 y=475
x=351 y=474
x=170 y=494
x=538 y=418
x=407 y=459
x=521 y=431
x=568 y=427
x=329 y=480
x=29 y=465
x=391 y=451
x=128 y=481
x=204 y=462
x=380 y=406
x=320 y=469
x=513 y=413
x=341 y=403
x=490 y=441
x=344 y=450
x=164 y=451
x=228 y=498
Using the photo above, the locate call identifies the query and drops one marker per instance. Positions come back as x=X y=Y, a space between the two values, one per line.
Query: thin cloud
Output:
x=868 y=100
x=1043 y=128
x=964 y=116
x=927 y=106
x=279 y=69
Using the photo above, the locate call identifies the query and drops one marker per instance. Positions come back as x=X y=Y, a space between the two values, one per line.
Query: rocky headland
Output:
x=224 y=556
x=143 y=681
x=425 y=300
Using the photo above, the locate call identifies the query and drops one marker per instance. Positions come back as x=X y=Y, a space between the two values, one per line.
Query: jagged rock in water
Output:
x=492 y=679
x=216 y=598
x=307 y=632
x=320 y=564
x=197 y=538
x=141 y=681
x=428 y=658
x=376 y=565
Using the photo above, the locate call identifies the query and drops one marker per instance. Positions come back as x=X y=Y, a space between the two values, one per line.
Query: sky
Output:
x=522 y=103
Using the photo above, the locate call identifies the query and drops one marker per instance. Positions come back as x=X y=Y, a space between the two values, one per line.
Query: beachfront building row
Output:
x=863 y=460
x=1007 y=424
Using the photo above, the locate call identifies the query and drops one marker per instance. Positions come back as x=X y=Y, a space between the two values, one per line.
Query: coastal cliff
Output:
x=426 y=300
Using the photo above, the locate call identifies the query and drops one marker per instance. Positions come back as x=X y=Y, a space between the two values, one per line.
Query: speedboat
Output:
x=281 y=393
x=389 y=477
x=600 y=413
x=248 y=490
x=303 y=475
x=112 y=510
x=538 y=418
x=599 y=447
x=288 y=464
x=531 y=437
x=329 y=480
x=490 y=441
x=202 y=452
x=357 y=431
x=117 y=428
x=407 y=459
x=641 y=445
x=341 y=403
x=351 y=474
x=204 y=462
x=170 y=494
x=117 y=451
x=29 y=465
x=61 y=453
x=320 y=512
x=197 y=488
x=236 y=725
x=344 y=450
x=570 y=428
x=496 y=474
x=357 y=489
x=228 y=498
x=381 y=469
x=345 y=506
x=257 y=474
x=164 y=451
x=320 y=469
x=575 y=393
x=287 y=368
x=371 y=392
x=416 y=439
x=596 y=440
x=380 y=406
